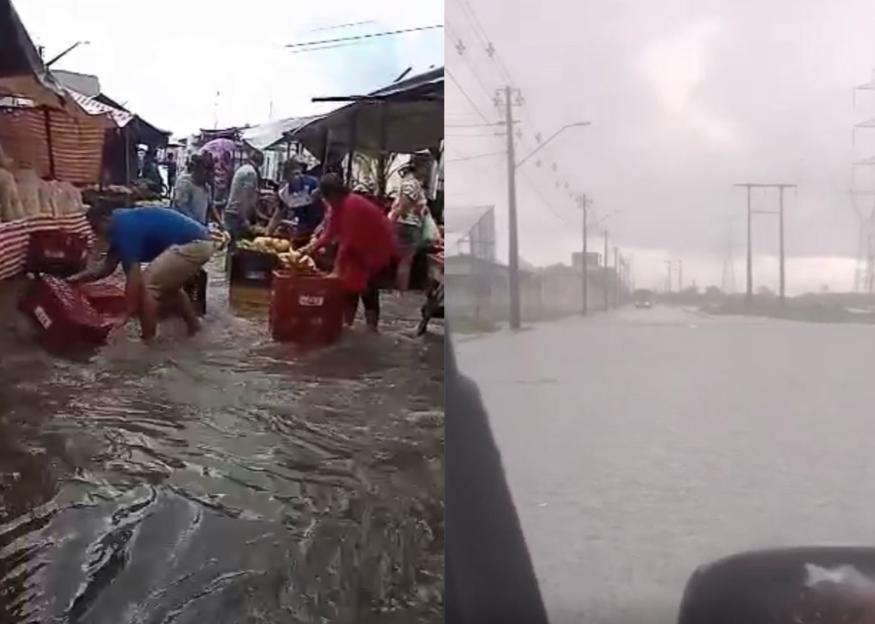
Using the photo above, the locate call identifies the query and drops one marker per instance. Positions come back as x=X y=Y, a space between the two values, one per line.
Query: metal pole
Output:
x=585 y=284
x=353 y=132
x=749 y=295
x=616 y=280
x=605 y=272
x=781 y=242
x=513 y=243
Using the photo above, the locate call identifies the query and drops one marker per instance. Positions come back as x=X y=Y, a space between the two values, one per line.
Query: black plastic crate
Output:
x=252 y=267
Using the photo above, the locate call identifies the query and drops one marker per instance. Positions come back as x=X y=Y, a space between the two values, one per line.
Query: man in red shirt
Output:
x=366 y=245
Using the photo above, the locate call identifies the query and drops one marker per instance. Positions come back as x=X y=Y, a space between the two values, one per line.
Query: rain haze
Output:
x=685 y=99
x=646 y=427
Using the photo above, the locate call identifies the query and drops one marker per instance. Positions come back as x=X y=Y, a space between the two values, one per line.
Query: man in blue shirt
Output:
x=175 y=247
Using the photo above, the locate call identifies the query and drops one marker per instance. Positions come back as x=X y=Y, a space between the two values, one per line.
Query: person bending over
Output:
x=174 y=246
x=366 y=248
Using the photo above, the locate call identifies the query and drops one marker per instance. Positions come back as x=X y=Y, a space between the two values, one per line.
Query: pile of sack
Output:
x=23 y=194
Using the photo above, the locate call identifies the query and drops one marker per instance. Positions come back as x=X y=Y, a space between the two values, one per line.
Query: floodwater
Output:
x=641 y=444
x=224 y=478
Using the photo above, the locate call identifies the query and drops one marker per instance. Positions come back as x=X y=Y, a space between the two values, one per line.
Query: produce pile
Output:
x=298 y=263
x=290 y=259
x=266 y=244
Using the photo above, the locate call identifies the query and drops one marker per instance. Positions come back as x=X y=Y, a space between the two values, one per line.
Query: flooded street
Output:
x=225 y=478
x=641 y=444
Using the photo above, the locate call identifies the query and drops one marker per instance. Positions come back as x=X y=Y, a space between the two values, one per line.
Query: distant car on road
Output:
x=643 y=299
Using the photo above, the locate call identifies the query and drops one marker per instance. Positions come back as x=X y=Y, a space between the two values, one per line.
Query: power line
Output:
x=339 y=26
x=387 y=33
x=486 y=125
x=330 y=47
x=490 y=51
x=485 y=40
x=467 y=97
x=475 y=157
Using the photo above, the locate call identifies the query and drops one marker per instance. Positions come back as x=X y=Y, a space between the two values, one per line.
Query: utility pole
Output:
x=616 y=277
x=605 y=270
x=513 y=241
x=782 y=260
x=780 y=213
x=584 y=205
x=668 y=264
x=680 y=275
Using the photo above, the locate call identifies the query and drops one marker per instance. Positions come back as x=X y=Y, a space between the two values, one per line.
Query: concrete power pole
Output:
x=606 y=274
x=513 y=241
x=584 y=205
x=616 y=280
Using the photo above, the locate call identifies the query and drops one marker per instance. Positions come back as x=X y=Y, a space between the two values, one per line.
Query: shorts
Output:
x=170 y=271
x=409 y=237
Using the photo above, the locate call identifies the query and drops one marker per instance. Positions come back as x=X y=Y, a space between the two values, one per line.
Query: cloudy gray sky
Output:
x=686 y=97
x=167 y=59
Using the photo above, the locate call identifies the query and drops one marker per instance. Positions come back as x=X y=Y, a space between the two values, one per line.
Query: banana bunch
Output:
x=266 y=244
x=220 y=239
x=298 y=263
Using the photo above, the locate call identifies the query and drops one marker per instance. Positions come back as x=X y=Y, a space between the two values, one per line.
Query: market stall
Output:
x=405 y=117
x=50 y=145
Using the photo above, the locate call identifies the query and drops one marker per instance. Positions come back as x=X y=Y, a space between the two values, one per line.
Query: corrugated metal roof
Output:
x=415 y=83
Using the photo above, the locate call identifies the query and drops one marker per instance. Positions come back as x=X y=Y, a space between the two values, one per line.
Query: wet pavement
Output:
x=223 y=478
x=642 y=444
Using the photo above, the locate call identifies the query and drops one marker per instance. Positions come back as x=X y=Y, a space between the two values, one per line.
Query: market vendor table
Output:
x=15 y=236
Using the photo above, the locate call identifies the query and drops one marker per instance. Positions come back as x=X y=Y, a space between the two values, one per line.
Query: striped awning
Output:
x=56 y=144
x=91 y=106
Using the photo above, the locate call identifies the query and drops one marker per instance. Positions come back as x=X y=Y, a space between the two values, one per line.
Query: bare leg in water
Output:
x=187 y=311
x=148 y=316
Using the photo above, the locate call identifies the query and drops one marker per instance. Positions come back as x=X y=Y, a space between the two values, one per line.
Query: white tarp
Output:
x=272 y=133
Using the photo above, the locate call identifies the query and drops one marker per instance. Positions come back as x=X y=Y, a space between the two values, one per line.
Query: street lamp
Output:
x=577 y=124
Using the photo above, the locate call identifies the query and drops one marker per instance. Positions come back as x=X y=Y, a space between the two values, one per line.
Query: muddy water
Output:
x=223 y=478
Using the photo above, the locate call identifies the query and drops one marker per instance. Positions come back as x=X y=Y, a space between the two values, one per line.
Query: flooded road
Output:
x=642 y=444
x=224 y=478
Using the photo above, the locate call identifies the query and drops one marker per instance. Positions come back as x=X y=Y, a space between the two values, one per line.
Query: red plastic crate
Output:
x=63 y=315
x=107 y=298
x=57 y=252
x=305 y=310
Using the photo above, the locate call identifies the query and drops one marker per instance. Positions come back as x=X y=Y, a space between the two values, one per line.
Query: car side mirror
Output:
x=823 y=585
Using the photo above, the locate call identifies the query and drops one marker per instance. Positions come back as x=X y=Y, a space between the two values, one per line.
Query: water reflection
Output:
x=224 y=478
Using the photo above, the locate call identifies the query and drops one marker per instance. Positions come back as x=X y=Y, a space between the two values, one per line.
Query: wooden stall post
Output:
x=353 y=136
x=381 y=161
x=47 y=116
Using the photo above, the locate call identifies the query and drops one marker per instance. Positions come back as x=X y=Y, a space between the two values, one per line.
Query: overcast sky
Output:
x=167 y=59
x=686 y=98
